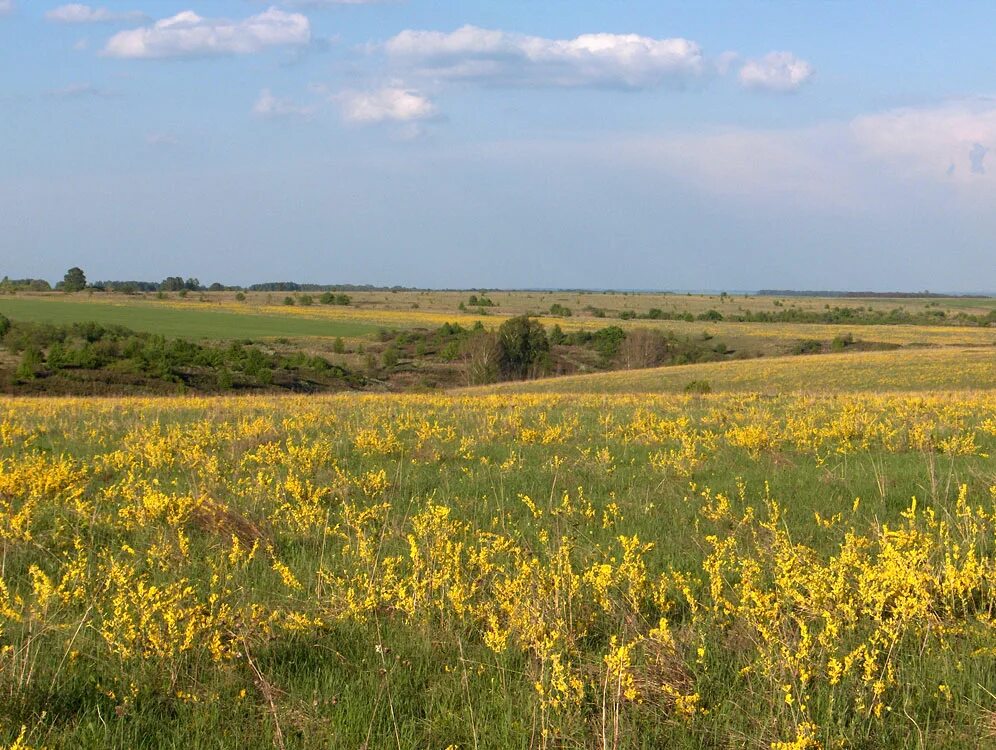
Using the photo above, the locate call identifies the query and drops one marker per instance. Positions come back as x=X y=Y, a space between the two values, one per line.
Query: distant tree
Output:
x=524 y=349
x=643 y=347
x=172 y=284
x=192 y=284
x=74 y=280
x=216 y=287
x=481 y=356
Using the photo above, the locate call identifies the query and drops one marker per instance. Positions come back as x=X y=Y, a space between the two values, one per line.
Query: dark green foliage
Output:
x=328 y=298
x=698 y=386
x=115 y=350
x=560 y=310
x=809 y=346
x=74 y=280
x=11 y=286
x=31 y=364
x=523 y=348
x=482 y=301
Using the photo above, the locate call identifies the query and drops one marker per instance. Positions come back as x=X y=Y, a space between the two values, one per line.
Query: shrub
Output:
x=698 y=386
x=31 y=364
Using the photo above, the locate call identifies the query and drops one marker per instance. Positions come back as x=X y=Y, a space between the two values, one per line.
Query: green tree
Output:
x=74 y=280
x=523 y=346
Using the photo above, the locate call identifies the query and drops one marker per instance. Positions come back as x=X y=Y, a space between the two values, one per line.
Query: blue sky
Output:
x=518 y=143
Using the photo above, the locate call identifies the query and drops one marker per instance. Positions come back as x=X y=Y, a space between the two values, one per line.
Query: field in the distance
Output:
x=262 y=315
x=187 y=321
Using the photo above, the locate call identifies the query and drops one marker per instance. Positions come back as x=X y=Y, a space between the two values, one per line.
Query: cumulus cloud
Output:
x=387 y=104
x=268 y=106
x=776 y=71
x=77 y=13
x=608 y=60
x=189 y=35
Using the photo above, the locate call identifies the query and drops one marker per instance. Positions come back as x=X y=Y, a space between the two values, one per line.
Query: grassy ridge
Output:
x=904 y=370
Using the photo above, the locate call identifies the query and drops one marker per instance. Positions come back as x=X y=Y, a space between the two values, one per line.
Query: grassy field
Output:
x=499 y=571
x=221 y=316
x=906 y=370
x=802 y=559
x=187 y=321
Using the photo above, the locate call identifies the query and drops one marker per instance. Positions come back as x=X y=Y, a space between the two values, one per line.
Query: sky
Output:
x=513 y=144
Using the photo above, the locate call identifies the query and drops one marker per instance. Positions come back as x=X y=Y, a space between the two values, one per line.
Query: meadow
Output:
x=496 y=570
x=940 y=369
x=188 y=321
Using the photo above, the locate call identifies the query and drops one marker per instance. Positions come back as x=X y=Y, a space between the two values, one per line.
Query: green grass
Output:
x=905 y=370
x=172 y=321
x=427 y=680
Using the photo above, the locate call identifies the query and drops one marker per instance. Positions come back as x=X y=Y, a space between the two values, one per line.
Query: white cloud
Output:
x=7 y=6
x=77 y=91
x=949 y=140
x=851 y=166
x=76 y=13
x=189 y=35
x=270 y=106
x=611 y=60
x=388 y=104
x=162 y=139
x=776 y=71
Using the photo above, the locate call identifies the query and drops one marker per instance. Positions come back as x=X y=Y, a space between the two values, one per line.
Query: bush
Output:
x=31 y=364
x=339 y=346
x=698 y=386
x=809 y=346
x=289 y=301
